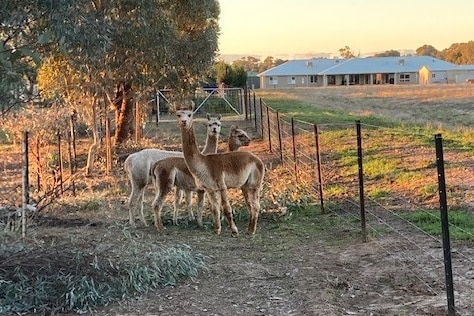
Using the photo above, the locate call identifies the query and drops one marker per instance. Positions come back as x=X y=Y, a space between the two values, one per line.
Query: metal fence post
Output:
x=443 y=205
x=269 y=130
x=279 y=136
x=361 y=183
x=318 y=162
x=294 y=147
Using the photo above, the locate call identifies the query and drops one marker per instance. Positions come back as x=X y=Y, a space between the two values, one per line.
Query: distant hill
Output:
x=229 y=58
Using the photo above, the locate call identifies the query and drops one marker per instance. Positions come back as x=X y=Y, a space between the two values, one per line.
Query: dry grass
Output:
x=437 y=105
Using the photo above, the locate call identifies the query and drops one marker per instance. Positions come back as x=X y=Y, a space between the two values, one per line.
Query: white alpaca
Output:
x=173 y=171
x=138 y=168
x=215 y=173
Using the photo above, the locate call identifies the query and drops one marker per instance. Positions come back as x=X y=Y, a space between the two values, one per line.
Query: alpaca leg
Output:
x=177 y=200
x=157 y=207
x=215 y=205
x=228 y=213
x=189 y=204
x=141 y=201
x=134 y=201
x=200 y=207
x=253 y=198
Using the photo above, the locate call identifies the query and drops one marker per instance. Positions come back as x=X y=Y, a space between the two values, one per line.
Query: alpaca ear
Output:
x=233 y=127
x=219 y=117
x=208 y=116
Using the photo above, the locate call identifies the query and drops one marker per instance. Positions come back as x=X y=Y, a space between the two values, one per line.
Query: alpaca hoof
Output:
x=235 y=234
x=160 y=228
x=217 y=231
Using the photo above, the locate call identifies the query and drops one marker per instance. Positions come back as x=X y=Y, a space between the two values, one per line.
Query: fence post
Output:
x=361 y=182
x=246 y=103
x=261 y=117
x=38 y=163
x=443 y=205
x=294 y=147
x=60 y=156
x=269 y=130
x=108 y=147
x=72 y=123
x=255 y=111
x=26 y=184
x=279 y=136
x=318 y=162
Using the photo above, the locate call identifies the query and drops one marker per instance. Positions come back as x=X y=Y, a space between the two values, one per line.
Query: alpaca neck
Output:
x=211 y=144
x=190 y=149
x=233 y=146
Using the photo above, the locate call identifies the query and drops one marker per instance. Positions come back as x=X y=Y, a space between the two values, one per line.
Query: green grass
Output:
x=319 y=115
x=461 y=223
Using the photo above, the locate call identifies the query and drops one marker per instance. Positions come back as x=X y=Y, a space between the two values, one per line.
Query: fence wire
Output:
x=397 y=163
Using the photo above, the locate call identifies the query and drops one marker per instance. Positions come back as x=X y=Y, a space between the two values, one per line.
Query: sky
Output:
x=282 y=27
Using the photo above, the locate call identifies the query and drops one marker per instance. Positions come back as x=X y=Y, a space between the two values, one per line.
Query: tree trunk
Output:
x=124 y=118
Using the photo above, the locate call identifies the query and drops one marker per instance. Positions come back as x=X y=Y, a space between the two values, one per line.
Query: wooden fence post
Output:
x=26 y=184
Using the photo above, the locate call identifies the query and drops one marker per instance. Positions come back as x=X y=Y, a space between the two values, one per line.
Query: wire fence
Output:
x=372 y=178
x=368 y=176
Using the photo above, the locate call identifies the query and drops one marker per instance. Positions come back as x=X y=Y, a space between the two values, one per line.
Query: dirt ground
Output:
x=297 y=264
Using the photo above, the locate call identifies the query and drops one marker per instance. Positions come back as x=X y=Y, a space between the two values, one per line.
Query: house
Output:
x=253 y=81
x=363 y=71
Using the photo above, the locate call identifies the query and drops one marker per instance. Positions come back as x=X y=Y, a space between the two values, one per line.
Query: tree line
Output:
x=100 y=57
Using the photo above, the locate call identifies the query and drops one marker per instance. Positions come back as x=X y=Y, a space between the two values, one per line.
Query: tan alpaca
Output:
x=138 y=169
x=173 y=171
x=215 y=173
x=170 y=173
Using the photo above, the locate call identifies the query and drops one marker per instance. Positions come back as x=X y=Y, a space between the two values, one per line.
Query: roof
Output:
x=324 y=66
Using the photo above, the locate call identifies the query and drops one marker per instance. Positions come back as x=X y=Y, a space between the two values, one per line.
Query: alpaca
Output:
x=138 y=168
x=215 y=173
x=237 y=138
x=173 y=171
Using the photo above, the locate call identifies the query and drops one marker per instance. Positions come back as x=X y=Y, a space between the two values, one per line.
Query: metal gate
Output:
x=224 y=101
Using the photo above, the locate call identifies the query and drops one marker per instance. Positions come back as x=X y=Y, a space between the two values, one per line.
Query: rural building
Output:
x=364 y=71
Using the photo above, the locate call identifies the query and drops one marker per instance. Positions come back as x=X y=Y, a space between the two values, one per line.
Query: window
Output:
x=433 y=75
x=273 y=80
x=404 y=77
x=292 y=80
x=313 y=79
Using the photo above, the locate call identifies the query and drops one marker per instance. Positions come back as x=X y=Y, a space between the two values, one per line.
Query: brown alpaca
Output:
x=237 y=138
x=173 y=171
x=215 y=173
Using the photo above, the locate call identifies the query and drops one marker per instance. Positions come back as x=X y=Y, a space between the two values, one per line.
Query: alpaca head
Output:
x=239 y=135
x=185 y=119
x=213 y=125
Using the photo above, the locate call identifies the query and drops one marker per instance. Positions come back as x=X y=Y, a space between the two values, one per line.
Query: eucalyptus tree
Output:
x=120 y=51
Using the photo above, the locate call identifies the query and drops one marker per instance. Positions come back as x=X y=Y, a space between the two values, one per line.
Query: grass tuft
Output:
x=60 y=279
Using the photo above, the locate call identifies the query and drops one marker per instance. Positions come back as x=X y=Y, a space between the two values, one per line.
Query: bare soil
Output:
x=298 y=263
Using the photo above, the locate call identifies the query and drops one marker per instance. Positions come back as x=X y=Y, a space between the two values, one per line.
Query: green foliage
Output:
x=459 y=53
x=231 y=76
x=73 y=280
